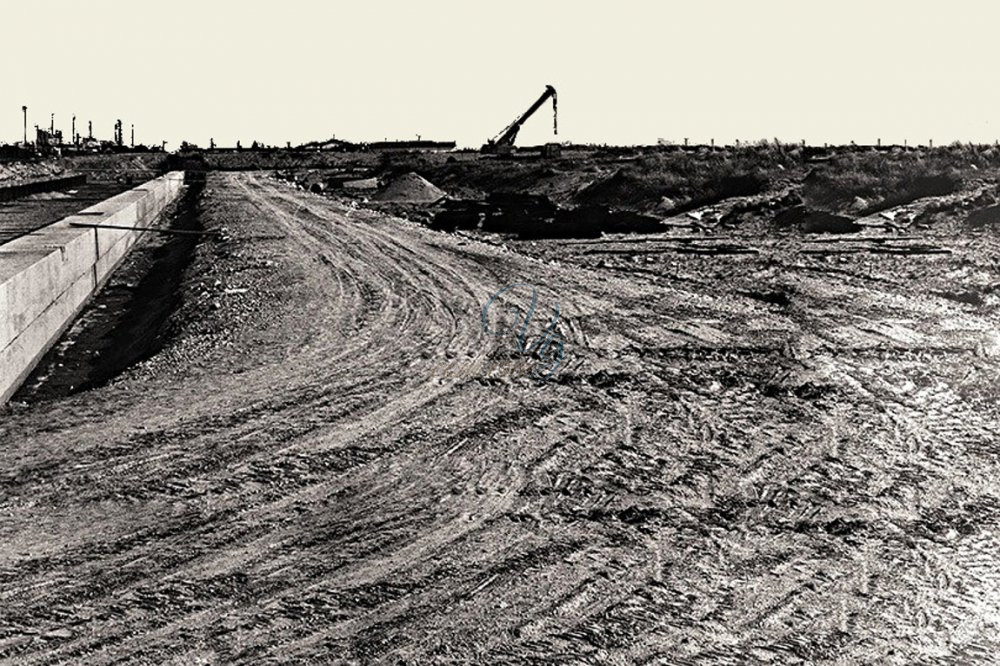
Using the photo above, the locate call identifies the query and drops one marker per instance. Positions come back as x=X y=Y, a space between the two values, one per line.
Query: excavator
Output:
x=503 y=143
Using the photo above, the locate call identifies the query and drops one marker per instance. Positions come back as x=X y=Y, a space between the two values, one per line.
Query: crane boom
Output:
x=507 y=136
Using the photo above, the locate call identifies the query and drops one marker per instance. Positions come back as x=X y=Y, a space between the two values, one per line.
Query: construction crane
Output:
x=503 y=143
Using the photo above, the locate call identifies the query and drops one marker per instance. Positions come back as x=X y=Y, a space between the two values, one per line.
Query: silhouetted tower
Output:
x=90 y=129
x=24 y=110
x=133 y=135
x=72 y=136
x=119 y=140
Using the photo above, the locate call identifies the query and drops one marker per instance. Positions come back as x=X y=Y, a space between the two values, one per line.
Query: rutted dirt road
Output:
x=778 y=456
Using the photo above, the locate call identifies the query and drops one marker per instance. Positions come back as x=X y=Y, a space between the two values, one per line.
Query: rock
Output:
x=666 y=205
x=58 y=633
x=858 y=205
x=361 y=184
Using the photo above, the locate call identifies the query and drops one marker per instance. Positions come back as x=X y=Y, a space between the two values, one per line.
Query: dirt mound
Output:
x=679 y=193
x=410 y=188
x=621 y=190
x=863 y=192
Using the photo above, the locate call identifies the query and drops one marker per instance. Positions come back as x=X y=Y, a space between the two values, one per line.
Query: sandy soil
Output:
x=776 y=455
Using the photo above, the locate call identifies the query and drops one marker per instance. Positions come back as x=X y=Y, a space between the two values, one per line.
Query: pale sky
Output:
x=627 y=71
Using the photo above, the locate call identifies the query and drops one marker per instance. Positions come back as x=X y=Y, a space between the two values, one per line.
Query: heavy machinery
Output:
x=503 y=143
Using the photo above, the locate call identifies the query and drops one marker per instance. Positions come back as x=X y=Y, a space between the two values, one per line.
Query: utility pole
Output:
x=52 y=124
x=133 y=135
x=24 y=110
x=72 y=136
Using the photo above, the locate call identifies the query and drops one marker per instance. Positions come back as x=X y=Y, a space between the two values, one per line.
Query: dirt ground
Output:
x=763 y=446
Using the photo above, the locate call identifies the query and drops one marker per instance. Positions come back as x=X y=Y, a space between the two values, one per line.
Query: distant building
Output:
x=412 y=145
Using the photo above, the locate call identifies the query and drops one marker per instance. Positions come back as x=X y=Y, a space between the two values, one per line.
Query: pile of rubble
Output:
x=532 y=216
x=15 y=172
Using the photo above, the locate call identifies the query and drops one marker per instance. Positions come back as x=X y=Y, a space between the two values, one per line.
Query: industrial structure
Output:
x=503 y=143
x=51 y=141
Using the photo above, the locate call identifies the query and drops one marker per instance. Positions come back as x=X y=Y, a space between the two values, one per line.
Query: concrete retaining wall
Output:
x=47 y=276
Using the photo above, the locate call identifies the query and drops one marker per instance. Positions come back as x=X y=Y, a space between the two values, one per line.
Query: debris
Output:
x=159 y=230
x=58 y=633
x=815 y=221
x=361 y=184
